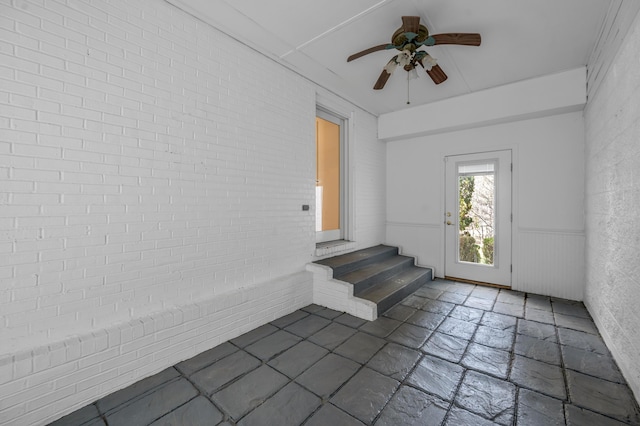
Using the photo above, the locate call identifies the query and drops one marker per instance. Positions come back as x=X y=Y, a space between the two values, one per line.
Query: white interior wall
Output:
x=152 y=176
x=613 y=206
x=548 y=227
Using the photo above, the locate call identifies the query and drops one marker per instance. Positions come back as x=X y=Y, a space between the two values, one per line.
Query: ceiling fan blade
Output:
x=464 y=39
x=437 y=75
x=367 y=51
x=382 y=80
x=411 y=24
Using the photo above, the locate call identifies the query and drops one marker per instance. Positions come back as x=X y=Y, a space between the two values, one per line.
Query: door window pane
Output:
x=476 y=194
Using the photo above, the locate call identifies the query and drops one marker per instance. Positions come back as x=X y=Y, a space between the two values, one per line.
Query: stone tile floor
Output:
x=450 y=354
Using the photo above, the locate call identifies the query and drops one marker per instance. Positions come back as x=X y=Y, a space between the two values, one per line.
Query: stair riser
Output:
x=396 y=297
x=345 y=269
x=381 y=276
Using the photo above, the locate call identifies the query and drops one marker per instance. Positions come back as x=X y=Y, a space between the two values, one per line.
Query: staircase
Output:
x=379 y=274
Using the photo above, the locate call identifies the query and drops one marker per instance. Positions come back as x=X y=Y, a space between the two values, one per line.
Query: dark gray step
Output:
x=389 y=292
x=346 y=263
x=365 y=277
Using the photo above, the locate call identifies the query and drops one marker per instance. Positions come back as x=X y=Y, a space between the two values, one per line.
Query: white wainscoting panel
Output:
x=550 y=263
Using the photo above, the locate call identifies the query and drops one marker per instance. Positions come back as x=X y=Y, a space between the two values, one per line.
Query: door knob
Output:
x=449 y=222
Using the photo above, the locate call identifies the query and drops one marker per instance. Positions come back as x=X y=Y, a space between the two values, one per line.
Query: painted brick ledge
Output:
x=44 y=383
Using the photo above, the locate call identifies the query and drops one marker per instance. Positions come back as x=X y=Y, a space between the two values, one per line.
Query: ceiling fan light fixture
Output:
x=429 y=62
x=404 y=58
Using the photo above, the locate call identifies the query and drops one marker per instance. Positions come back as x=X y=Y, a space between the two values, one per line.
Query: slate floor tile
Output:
x=457 y=328
x=249 y=391
x=591 y=363
x=289 y=407
x=136 y=390
x=328 y=374
x=575 y=323
x=428 y=292
x=542 y=377
x=508 y=309
x=206 y=358
x=538 y=330
x=436 y=376
x=410 y=335
x=286 y=320
x=312 y=308
x=350 y=320
x=512 y=297
x=328 y=313
x=360 y=347
x=535 y=301
x=498 y=321
x=438 y=307
x=82 y=416
x=567 y=307
x=487 y=360
x=307 y=326
x=197 y=412
x=153 y=405
x=459 y=417
x=581 y=340
x=365 y=394
x=466 y=313
x=461 y=288
x=608 y=398
x=410 y=406
x=394 y=361
x=539 y=315
x=332 y=336
x=273 y=344
x=400 y=312
x=381 y=327
x=426 y=319
x=450 y=297
x=576 y=416
x=491 y=398
x=540 y=350
x=414 y=301
x=330 y=415
x=445 y=346
x=478 y=303
x=535 y=409
x=495 y=338
x=212 y=378
x=254 y=335
x=298 y=358
x=488 y=293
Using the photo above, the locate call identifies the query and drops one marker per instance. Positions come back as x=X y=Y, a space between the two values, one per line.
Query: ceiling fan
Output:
x=408 y=39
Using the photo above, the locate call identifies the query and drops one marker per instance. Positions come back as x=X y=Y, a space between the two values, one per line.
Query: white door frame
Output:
x=501 y=272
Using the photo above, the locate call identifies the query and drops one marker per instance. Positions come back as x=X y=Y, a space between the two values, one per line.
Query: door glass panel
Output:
x=476 y=213
x=327 y=176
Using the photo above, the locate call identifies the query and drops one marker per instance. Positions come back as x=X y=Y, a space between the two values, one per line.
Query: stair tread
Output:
x=370 y=271
x=355 y=256
x=381 y=290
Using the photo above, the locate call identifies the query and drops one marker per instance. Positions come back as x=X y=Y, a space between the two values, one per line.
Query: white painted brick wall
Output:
x=613 y=207
x=152 y=173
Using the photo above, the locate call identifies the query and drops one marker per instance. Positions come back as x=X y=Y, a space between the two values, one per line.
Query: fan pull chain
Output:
x=408 y=101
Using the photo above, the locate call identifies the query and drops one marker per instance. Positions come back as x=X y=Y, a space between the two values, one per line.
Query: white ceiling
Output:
x=521 y=39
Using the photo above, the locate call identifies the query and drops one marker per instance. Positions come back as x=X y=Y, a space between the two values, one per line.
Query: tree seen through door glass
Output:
x=476 y=193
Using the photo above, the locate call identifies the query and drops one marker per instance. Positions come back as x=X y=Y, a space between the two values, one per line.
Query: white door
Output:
x=478 y=217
